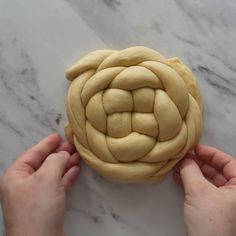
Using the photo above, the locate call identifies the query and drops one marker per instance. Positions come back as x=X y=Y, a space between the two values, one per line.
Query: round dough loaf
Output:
x=133 y=114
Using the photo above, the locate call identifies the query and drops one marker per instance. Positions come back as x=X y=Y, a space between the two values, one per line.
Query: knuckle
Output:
x=64 y=154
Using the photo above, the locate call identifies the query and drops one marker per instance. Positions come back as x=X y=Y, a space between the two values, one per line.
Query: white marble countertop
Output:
x=40 y=39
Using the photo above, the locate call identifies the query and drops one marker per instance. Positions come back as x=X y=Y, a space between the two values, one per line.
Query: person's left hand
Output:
x=33 y=190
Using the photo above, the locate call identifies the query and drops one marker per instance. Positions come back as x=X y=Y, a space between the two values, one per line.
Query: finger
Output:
x=70 y=177
x=213 y=175
x=73 y=161
x=66 y=147
x=231 y=182
x=177 y=178
x=179 y=164
x=176 y=173
x=191 y=176
x=213 y=156
x=219 y=160
x=209 y=172
x=55 y=164
x=38 y=153
x=218 y=180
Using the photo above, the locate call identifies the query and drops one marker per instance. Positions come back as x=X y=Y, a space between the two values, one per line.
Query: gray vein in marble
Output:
x=119 y=219
x=157 y=26
x=6 y=123
x=20 y=83
x=199 y=11
x=185 y=40
x=101 y=209
x=94 y=218
x=218 y=81
x=230 y=67
x=183 y=6
x=112 y=24
x=213 y=24
x=58 y=119
x=176 y=35
x=223 y=83
x=113 y=4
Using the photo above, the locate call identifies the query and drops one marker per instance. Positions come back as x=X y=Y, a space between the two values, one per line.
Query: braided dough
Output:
x=133 y=114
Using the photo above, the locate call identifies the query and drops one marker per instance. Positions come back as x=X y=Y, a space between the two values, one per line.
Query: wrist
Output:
x=210 y=230
x=23 y=231
x=29 y=227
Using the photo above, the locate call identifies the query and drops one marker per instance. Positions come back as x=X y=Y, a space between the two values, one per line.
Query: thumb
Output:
x=55 y=164
x=192 y=177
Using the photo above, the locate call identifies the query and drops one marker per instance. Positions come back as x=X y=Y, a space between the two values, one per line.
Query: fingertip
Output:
x=74 y=160
x=185 y=163
x=52 y=141
x=181 y=164
x=75 y=170
x=203 y=149
x=55 y=137
x=192 y=177
x=187 y=168
x=70 y=177
x=66 y=146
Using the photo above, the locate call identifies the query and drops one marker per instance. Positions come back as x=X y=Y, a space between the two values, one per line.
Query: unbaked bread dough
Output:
x=132 y=114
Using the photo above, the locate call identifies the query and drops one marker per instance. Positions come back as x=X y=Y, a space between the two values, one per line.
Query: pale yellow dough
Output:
x=133 y=114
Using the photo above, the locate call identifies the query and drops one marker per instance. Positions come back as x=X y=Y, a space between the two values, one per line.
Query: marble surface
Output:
x=40 y=39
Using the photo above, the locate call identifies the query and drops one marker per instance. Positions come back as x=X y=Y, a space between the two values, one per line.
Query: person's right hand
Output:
x=209 y=181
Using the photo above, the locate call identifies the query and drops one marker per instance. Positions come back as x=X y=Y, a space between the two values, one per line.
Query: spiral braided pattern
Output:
x=133 y=114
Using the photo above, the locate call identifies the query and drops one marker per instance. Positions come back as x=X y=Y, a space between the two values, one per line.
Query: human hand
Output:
x=33 y=190
x=209 y=181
